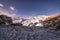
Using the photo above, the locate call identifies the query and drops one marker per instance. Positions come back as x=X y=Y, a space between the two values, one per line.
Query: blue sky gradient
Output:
x=33 y=7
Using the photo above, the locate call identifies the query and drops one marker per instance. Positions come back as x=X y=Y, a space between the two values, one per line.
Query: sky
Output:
x=27 y=8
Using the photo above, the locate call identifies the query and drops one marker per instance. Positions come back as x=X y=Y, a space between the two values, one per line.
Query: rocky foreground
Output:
x=27 y=29
x=10 y=32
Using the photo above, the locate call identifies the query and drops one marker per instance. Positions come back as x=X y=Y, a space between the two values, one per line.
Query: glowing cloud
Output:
x=7 y=13
x=12 y=8
x=1 y=5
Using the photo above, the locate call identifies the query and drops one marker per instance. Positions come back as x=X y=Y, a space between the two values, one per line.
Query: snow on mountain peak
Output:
x=33 y=20
x=39 y=20
x=30 y=21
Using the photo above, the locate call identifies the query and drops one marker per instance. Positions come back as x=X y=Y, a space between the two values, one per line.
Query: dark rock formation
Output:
x=5 y=19
x=54 y=23
x=16 y=24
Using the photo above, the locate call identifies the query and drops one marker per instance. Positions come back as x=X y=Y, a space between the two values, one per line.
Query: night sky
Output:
x=33 y=7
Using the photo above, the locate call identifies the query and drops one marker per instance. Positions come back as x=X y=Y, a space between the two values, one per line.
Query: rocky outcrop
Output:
x=8 y=21
x=5 y=19
x=53 y=22
x=16 y=24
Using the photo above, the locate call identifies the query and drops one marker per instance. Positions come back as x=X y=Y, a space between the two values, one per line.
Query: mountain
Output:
x=43 y=21
x=5 y=19
x=9 y=18
x=33 y=20
x=53 y=22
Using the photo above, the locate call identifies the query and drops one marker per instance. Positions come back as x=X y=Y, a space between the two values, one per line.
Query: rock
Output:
x=56 y=16
x=5 y=19
x=48 y=19
x=16 y=24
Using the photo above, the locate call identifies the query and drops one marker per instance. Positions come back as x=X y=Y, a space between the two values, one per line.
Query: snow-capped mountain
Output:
x=42 y=20
x=32 y=20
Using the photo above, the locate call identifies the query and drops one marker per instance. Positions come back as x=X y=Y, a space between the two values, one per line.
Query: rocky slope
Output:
x=5 y=20
x=8 y=32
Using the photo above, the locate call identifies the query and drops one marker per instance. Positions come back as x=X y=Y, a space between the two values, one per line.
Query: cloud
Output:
x=1 y=5
x=2 y=12
x=12 y=8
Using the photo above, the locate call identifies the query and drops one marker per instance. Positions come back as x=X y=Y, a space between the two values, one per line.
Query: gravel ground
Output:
x=27 y=33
